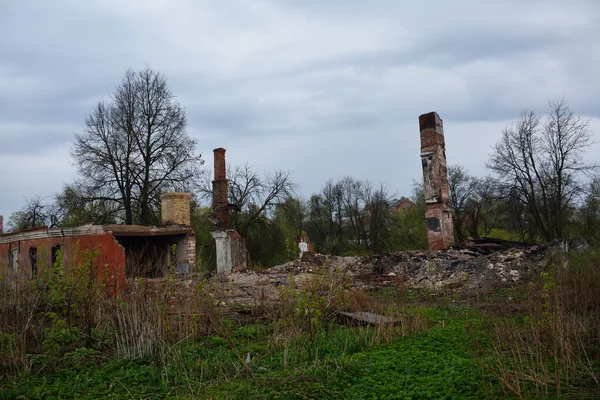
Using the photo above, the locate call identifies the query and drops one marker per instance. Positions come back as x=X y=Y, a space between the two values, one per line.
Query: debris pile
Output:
x=475 y=266
x=311 y=261
x=462 y=267
x=478 y=265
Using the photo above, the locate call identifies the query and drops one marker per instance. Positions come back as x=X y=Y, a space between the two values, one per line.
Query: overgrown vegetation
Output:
x=64 y=336
x=544 y=340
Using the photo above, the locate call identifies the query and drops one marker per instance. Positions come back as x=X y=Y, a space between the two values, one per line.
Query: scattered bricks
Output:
x=440 y=227
x=175 y=208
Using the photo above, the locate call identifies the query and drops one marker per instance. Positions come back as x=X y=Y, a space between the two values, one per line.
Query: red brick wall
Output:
x=112 y=256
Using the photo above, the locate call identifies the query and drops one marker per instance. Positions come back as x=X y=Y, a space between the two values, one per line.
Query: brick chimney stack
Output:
x=220 y=191
x=1 y=224
x=175 y=208
x=440 y=227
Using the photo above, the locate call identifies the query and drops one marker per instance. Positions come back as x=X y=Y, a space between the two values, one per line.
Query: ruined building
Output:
x=438 y=216
x=123 y=251
x=231 y=247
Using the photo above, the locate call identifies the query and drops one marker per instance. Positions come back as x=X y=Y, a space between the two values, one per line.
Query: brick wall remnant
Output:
x=239 y=252
x=220 y=191
x=175 y=208
x=438 y=215
x=18 y=265
x=186 y=254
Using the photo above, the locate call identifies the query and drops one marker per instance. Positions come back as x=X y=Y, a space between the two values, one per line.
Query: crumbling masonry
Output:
x=175 y=211
x=123 y=251
x=231 y=247
x=438 y=216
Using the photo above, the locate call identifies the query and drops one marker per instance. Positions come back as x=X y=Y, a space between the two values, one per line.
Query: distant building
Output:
x=402 y=204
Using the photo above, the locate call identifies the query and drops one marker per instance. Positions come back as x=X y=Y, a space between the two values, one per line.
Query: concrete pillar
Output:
x=191 y=250
x=438 y=216
x=220 y=191
x=223 y=244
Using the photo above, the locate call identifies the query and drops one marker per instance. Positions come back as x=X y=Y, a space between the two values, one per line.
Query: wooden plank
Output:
x=367 y=317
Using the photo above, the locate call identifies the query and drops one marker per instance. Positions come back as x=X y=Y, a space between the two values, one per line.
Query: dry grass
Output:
x=68 y=307
x=547 y=343
x=63 y=312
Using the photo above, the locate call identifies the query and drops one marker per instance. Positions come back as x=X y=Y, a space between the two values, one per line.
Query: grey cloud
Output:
x=325 y=89
x=34 y=139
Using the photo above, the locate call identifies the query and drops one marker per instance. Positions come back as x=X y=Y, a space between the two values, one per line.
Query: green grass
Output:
x=535 y=340
x=338 y=363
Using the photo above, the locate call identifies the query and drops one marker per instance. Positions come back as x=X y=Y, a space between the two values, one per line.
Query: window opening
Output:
x=15 y=259
x=55 y=250
x=33 y=260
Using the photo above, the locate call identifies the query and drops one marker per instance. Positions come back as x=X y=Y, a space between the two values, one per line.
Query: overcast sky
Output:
x=321 y=88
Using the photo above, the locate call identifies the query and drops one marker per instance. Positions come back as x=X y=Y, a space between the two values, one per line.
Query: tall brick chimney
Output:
x=440 y=227
x=220 y=191
x=175 y=208
x=1 y=224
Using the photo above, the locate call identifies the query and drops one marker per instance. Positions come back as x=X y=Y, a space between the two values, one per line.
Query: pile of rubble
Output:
x=478 y=265
x=312 y=261
x=460 y=267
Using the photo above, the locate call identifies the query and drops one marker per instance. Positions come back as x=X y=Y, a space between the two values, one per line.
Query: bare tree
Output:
x=73 y=207
x=290 y=215
x=349 y=214
x=377 y=205
x=590 y=213
x=566 y=138
x=541 y=159
x=135 y=147
x=319 y=224
x=245 y=186
x=254 y=196
x=333 y=194
x=461 y=186
x=34 y=215
x=480 y=206
x=353 y=200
